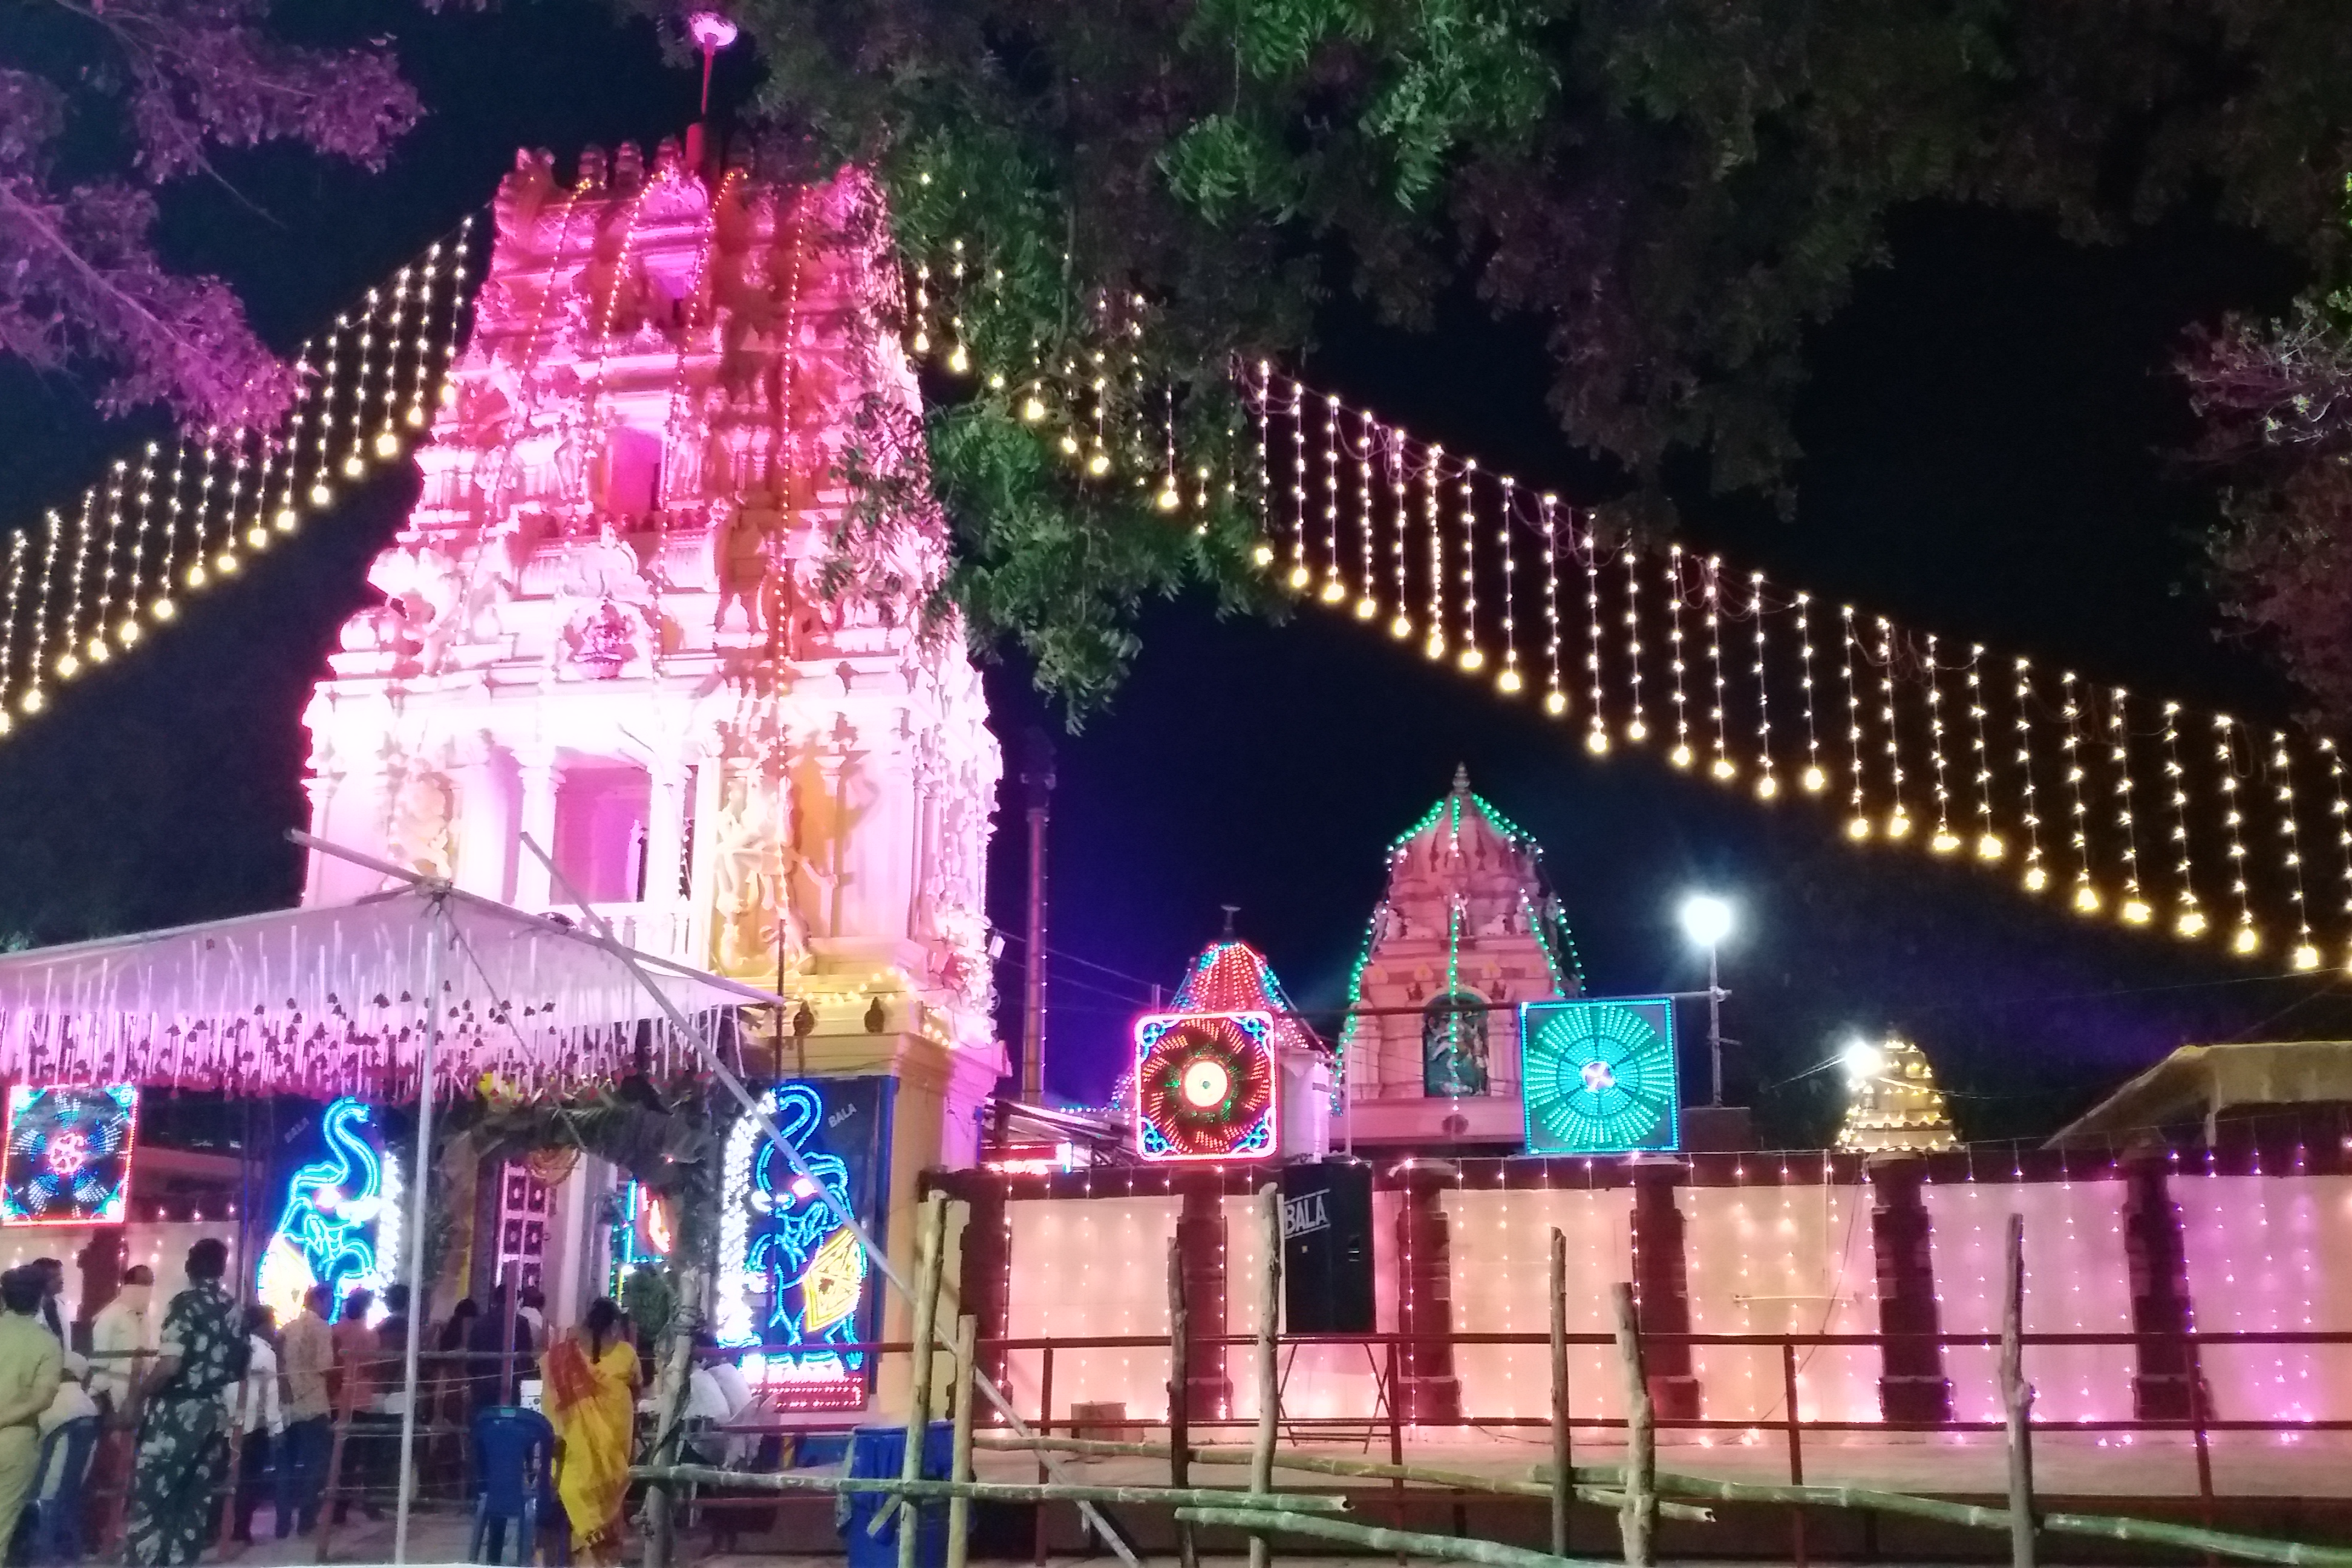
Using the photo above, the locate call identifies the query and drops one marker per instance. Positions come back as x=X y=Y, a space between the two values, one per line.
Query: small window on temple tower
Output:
x=601 y=808
x=631 y=472
x=1454 y=1046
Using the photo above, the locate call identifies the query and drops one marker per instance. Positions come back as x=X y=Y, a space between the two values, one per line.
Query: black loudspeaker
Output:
x=1326 y=1247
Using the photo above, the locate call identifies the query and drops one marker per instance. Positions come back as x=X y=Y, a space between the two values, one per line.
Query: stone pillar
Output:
x=876 y=892
x=666 y=852
x=1427 y=1388
x=1662 y=1285
x=1200 y=1254
x=534 y=888
x=320 y=788
x=702 y=884
x=2162 y=1313
x=1912 y=1388
x=485 y=828
x=984 y=1278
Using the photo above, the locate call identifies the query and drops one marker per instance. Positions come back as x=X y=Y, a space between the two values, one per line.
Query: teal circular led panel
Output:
x=1600 y=1076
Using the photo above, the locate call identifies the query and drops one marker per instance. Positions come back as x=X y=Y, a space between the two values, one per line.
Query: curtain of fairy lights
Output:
x=92 y=580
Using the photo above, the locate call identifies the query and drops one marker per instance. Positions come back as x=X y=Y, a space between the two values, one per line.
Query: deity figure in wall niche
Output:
x=420 y=838
x=758 y=877
x=606 y=569
x=746 y=874
x=740 y=553
x=603 y=640
x=570 y=463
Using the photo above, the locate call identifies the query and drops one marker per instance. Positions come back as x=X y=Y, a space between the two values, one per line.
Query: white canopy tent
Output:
x=325 y=1001
x=328 y=1001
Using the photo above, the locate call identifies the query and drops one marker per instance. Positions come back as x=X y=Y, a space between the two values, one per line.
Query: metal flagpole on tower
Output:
x=436 y=938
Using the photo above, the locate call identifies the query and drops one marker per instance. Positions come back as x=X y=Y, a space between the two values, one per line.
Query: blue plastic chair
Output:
x=53 y=1526
x=513 y=1449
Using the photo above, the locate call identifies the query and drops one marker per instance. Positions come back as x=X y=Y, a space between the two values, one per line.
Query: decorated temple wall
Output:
x=1088 y=1269
x=1501 y=1266
x=1788 y=1258
x=2271 y=1253
x=1768 y=1247
x=2078 y=1280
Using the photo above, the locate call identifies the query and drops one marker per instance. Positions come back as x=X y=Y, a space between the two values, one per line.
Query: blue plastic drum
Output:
x=881 y=1451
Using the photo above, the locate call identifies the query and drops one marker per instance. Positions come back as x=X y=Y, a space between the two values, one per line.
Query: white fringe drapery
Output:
x=325 y=1001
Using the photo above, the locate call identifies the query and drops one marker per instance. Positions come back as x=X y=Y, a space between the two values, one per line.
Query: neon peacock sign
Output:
x=341 y=1226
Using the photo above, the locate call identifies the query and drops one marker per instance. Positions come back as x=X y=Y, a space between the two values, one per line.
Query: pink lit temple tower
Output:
x=668 y=605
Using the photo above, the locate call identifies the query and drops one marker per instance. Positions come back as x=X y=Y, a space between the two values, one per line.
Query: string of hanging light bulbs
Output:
x=1421 y=543
x=91 y=582
x=1391 y=531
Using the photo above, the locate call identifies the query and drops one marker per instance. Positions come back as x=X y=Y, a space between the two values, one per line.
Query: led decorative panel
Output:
x=1205 y=1086
x=1599 y=1076
x=795 y=1287
x=68 y=1158
x=641 y=1235
x=340 y=1225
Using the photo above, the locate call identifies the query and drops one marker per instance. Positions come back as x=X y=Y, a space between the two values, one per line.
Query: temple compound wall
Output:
x=2149 y=1247
x=668 y=606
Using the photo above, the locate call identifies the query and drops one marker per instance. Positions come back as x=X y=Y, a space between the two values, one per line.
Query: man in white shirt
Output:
x=123 y=1338
x=123 y=1330
x=255 y=1415
x=72 y=1403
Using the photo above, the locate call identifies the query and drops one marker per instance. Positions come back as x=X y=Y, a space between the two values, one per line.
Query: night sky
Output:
x=1989 y=433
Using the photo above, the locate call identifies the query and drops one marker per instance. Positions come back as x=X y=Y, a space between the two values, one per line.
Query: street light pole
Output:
x=1706 y=920
x=1715 y=1023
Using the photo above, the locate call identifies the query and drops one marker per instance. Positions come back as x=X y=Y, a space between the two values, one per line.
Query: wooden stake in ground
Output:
x=1179 y=1381
x=328 y=1495
x=1269 y=1380
x=930 y=1235
x=960 y=1506
x=1637 y=1517
x=2017 y=1400
x=1563 y=1471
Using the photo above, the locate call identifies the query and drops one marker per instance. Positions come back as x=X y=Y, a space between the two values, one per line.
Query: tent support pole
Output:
x=435 y=939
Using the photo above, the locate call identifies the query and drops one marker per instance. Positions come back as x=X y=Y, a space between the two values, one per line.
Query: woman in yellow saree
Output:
x=592 y=1400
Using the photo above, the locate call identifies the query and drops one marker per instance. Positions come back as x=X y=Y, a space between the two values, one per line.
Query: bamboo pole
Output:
x=930 y=1233
x=1637 y=1517
x=1269 y=1381
x=1563 y=1467
x=1179 y=1398
x=711 y=1478
x=330 y=1494
x=960 y=1503
x=2110 y=1527
x=1458 y=1549
x=2017 y=1399
x=671 y=1389
x=1366 y=1470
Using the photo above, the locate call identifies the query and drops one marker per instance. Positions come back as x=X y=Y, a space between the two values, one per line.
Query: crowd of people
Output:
x=170 y=1399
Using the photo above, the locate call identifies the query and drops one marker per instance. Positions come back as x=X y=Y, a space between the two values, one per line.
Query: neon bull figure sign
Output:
x=795 y=1285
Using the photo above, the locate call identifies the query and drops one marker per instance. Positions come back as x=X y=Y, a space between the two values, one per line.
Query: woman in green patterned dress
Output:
x=183 y=1433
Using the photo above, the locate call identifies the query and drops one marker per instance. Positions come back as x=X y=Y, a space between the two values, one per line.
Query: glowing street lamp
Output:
x=1862 y=1061
x=1706 y=920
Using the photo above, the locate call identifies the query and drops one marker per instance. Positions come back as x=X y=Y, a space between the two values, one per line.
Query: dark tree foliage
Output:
x=2275 y=403
x=1671 y=190
x=102 y=100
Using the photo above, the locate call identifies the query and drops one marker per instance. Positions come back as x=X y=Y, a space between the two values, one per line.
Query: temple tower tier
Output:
x=1466 y=931
x=667 y=607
